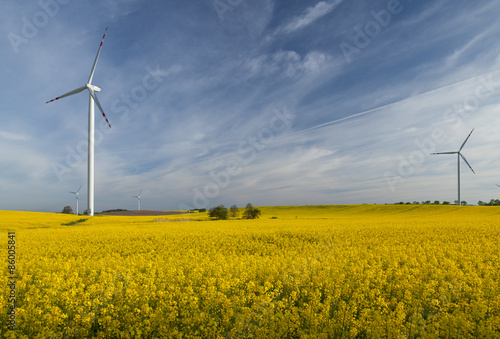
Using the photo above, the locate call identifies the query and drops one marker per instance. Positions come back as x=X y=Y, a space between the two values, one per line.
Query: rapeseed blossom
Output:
x=312 y=271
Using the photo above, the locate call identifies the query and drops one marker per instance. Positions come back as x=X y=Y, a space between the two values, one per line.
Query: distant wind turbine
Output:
x=459 y=155
x=76 y=193
x=138 y=196
x=92 y=98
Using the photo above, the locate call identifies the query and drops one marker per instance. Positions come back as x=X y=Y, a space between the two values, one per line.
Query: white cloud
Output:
x=316 y=61
x=310 y=15
x=13 y=136
x=287 y=63
x=452 y=60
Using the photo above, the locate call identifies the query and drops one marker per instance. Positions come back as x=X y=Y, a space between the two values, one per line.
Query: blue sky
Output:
x=262 y=101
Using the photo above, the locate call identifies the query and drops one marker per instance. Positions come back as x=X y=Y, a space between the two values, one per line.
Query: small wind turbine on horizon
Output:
x=92 y=98
x=138 y=196
x=459 y=155
x=76 y=193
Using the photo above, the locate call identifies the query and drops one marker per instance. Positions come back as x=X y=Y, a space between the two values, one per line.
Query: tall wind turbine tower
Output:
x=76 y=193
x=459 y=155
x=138 y=196
x=92 y=98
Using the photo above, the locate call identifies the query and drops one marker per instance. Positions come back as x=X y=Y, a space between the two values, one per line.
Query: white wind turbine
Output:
x=76 y=193
x=138 y=196
x=460 y=155
x=92 y=98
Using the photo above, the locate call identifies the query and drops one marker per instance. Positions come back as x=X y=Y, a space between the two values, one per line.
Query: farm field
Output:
x=353 y=271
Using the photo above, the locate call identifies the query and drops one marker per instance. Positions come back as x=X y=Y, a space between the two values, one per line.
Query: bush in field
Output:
x=219 y=212
x=251 y=212
x=234 y=211
x=67 y=210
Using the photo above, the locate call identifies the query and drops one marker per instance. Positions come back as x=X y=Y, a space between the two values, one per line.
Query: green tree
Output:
x=446 y=202
x=67 y=210
x=251 y=212
x=219 y=213
x=234 y=211
x=436 y=202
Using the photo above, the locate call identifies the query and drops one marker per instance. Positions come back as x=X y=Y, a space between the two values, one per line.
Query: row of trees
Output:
x=493 y=202
x=428 y=202
x=69 y=210
x=222 y=213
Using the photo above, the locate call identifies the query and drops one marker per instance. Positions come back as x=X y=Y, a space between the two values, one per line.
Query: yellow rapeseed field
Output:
x=364 y=271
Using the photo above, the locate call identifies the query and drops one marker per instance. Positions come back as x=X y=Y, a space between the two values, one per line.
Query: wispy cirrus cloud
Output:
x=310 y=16
x=305 y=19
x=287 y=63
x=13 y=136
x=458 y=53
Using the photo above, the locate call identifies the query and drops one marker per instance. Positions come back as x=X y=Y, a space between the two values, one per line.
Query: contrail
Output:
x=352 y=116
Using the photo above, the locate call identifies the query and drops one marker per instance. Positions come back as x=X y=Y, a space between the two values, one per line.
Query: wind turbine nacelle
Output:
x=94 y=88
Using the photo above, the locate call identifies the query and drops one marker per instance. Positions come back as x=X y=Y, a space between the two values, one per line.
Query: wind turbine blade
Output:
x=78 y=90
x=79 y=189
x=444 y=153
x=466 y=140
x=96 y=58
x=140 y=193
x=467 y=163
x=99 y=105
x=497 y=185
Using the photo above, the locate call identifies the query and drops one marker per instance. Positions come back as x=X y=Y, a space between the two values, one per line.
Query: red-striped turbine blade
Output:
x=78 y=90
x=97 y=57
x=467 y=163
x=99 y=105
